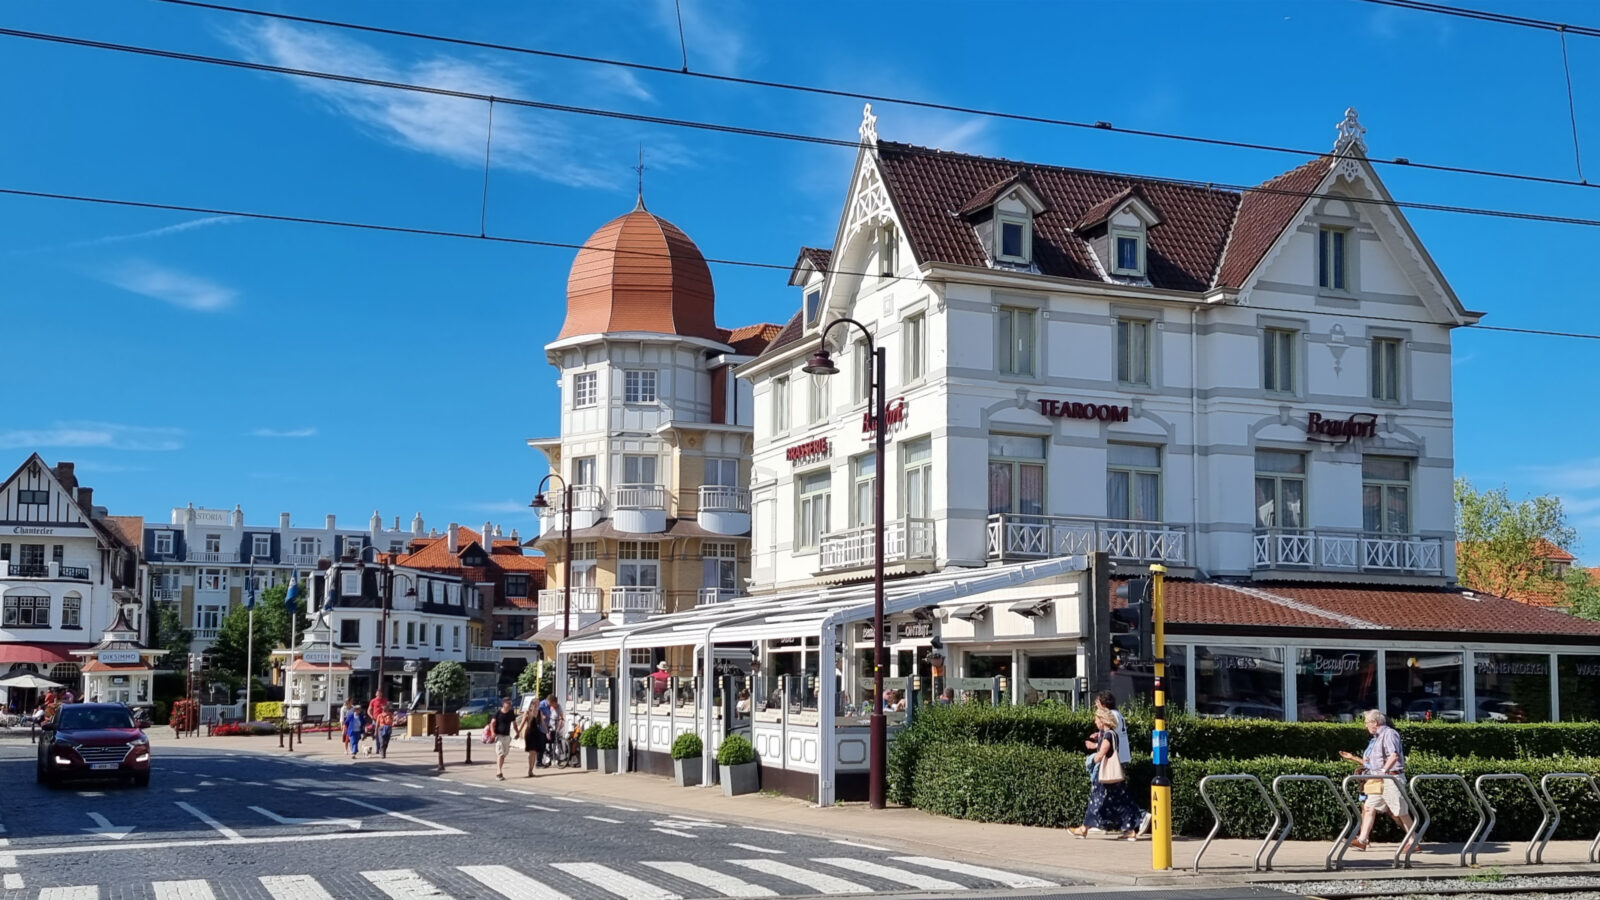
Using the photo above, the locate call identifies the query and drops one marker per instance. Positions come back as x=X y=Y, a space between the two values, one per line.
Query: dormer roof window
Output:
x=1016 y=238
x=1118 y=229
x=1003 y=214
x=810 y=273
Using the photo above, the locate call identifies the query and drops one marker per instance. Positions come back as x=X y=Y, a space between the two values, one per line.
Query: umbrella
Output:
x=28 y=680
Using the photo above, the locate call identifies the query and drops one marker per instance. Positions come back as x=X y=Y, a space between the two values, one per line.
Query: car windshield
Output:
x=94 y=718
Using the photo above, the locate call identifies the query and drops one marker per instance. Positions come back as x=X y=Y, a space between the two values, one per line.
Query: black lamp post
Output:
x=540 y=502
x=821 y=363
x=387 y=595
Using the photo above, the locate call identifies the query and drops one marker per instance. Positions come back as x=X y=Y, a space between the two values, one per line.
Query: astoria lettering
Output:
x=1061 y=409
x=1339 y=431
x=812 y=449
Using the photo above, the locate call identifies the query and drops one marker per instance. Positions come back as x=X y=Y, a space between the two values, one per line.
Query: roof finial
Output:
x=1350 y=132
x=640 y=170
x=869 y=126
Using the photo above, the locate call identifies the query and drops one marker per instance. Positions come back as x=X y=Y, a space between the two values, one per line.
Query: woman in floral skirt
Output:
x=1111 y=809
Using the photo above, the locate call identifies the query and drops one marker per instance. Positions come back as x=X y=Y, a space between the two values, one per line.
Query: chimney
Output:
x=85 y=499
x=66 y=475
x=238 y=516
x=396 y=523
x=514 y=537
x=450 y=538
x=416 y=524
x=283 y=521
x=188 y=514
x=330 y=522
x=376 y=525
x=488 y=538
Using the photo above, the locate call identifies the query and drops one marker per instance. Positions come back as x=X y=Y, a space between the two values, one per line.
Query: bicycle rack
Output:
x=1288 y=826
x=1341 y=844
x=1554 y=813
x=1216 y=817
x=1477 y=839
x=1425 y=818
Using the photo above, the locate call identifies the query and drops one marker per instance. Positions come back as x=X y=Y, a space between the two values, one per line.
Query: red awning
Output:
x=45 y=653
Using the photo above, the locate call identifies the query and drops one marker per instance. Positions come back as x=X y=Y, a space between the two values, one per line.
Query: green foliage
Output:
x=271 y=630
x=267 y=710
x=1500 y=540
x=538 y=679
x=171 y=636
x=447 y=681
x=1011 y=783
x=606 y=737
x=687 y=746
x=1580 y=592
x=474 y=721
x=735 y=750
x=158 y=712
x=588 y=736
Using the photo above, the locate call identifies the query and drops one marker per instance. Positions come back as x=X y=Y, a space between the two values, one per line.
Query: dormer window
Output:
x=1016 y=239
x=1118 y=228
x=813 y=304
x=1002 y=217
x=1128 y=247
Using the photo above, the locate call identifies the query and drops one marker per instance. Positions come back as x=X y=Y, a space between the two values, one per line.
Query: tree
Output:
x=1581 y=592
x=1503 y=544
x=538 y=679
x=171 y=636
x=228 y=652
x=447 y=681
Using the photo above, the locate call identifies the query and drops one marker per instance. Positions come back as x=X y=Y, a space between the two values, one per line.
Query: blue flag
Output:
x=250 y=593
x=291 y=599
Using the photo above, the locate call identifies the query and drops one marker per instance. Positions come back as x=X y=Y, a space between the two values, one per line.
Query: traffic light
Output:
x=1132 y=634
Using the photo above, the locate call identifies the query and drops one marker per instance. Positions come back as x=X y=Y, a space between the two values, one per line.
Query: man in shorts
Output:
x=1383 y=756
x=503 y=721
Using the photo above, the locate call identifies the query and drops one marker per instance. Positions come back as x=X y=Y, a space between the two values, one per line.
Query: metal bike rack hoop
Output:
x=1288 y=814
x=1554 y=813
x=1477 y=839
x=1426 y=818
x=1341 y=844
x=1216 y=817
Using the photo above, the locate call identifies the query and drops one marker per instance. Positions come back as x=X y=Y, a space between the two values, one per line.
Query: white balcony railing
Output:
x=721 y=498
x=584 y=600
x=585 y=498
x=904 y=540
x=300 y=559
x=1347 y=551
x=483 y=654
x=641 y=496
x=166 y=594
x=636 y=600
x=717 y=595
x=204 y=634
x=1017 y=536
x=212 y=556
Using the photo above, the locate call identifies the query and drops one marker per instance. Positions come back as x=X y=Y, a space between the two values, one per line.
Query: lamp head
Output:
x=821 y=363
x=539 y=502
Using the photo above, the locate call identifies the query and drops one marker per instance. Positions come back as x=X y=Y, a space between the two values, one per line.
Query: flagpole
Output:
x=250 y=634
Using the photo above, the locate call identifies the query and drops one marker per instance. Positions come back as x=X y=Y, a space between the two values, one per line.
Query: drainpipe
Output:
x=1194 y=437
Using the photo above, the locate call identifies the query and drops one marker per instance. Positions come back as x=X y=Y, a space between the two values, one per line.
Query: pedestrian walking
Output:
x=1111 y=809
x=350 y=717
x=549 y=721
x=501 y=723
x=1106 y=700
x=385 y=728
x=532 y=738
x=1384 y=756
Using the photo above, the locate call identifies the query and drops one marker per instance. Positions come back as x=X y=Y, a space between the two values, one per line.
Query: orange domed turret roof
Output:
x=640 y=272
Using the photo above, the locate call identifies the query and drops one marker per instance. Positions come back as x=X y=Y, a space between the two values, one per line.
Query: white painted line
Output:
x=12 y=882
x=224 y=842
x=91 y=793
x=294 y=887
x=523 y=793
x=182 y=890
x=183 y=790
x=8 y=860
x=817 y=881
x=689 y=818
x=767 y=830
x=5 y=842
x=1009 y=879
x=442 y=829
x=623 y=808
x=495 y=799
x=608 y=879
x=604 y=819
x=286 y=820
x=79 y=892
x=543 y=808
x=376 y=778
x=208 y=784
x=754 y=848
x=683 y=834
x=726 y=885
x=569 y=799
x=404 y=884
x=221 y=829
x=256 y=783
x=861 y=845
x=451 y=793
x=890 y=873
x=508 y=882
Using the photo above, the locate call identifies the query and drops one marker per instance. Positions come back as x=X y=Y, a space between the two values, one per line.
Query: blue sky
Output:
x=180 y=358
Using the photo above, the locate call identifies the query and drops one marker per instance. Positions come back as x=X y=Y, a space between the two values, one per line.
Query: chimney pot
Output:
x=86 y=499
x=330 y=522
x=66 y=474
x=283 y=521
x=450 y=538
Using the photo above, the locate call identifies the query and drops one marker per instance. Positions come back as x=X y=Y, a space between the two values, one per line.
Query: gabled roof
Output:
x=990 y=195
x=434 y=553
x=810 y=258
x=1263 y=215
x=1100 y=212
x=750 y=340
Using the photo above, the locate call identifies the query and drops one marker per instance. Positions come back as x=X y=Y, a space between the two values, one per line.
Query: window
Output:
x=26 y=611
x=58 y=554
x=516 y=585
x=1133 y=352
x=349 y=631
x=32 y=557
x=1127 y=253
x=585 y=389
x=438 y=637
x=916 y=490
x=1280 y=489
x=817 y=407
x=164 y=543
x=1385 y=495
x=394 y=633
x=1016 y=474
x=639 y=386
x=208 y=616
x=722 y=472
x=1133 y=482
x=1277 y=360
x=1386 y=369
x=780 y=405
x=72 y=611
x=5 y=551
x=33 y=498
x=1425 y=685
x=888 y=250
x=811 y=508
x=1239 y=682
x=1014 y=239
x=638 y=564
x=862 y=369
x=583 y=470
x=308 y=546
x=353 y=546
x=1332 y=258
x=1013 y=343
x=813 y=304
x=863 y=480
x=914 y=346
x=211 y=580
x=397 y=546
x=411 y=634
x=349 y=584
x=720 y=566
x=168 y=580
x=212 y=543
x=455 y=637
x=261 y=545
x=639 y=470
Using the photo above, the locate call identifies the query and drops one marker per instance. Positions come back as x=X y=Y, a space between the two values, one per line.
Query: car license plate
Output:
x=101 y=767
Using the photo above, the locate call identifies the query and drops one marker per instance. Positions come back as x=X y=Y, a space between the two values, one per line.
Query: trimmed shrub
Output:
x=687 y=746
x=474 y=721
x=735 y=750
x=588 y=736
x=606 y=737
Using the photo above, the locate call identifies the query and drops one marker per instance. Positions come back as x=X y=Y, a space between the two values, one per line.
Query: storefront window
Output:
x=1512 y=687
x=1050 y=677
x=1336 y=685
x=1177 y=677
x=1239 y=682
x=1580 y=688
x=1424 y=685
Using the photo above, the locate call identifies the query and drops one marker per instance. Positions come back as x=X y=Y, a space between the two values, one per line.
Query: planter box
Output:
x=608 y=761
x=446 y=723
x=419 y=724
x=688 y=772
x=741 y=779
x=590 y=756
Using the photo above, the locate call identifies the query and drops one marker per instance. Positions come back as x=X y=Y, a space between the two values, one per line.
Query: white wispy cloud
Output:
x=108 y=468
x=163 y=231
x=169 y=285
x=105 y=435
x=283 y=432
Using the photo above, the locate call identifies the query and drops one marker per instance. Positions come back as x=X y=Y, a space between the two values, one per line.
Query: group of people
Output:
x=535 y=728
x=376 y=721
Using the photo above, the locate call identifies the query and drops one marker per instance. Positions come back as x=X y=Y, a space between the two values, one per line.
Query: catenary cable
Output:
x=1462 y=12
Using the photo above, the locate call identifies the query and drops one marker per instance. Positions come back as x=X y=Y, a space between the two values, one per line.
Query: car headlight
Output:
x=142 y=757
x=62 y=760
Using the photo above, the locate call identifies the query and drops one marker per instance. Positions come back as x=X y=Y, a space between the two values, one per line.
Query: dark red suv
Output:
x=94 y=740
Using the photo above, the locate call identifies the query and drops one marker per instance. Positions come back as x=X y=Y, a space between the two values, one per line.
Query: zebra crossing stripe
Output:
x=404 y=884
x=890 y=873
x=80 y=892
x=294 y=887
x=1009 y=879
x=726 y=885
x=608 y=879
x=193 y=889
x=508 y=882
x=817 y=881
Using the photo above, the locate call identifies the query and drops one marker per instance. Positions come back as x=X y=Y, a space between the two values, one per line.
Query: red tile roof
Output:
x=750 y=340
x=434 y=553
x=817 y=257
x=1262 y=217
x=1100 y=212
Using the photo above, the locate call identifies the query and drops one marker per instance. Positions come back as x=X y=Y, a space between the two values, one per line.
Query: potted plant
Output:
x=736 y=766
x=588 y=749
x=686 y=752
x=606 y=743
x=447 y=681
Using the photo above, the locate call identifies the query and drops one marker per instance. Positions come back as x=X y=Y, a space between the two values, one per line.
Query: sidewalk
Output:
x=1049 y=851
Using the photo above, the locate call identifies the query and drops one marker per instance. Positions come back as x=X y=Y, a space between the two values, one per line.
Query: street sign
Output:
x=322 y=657
x=118 y=657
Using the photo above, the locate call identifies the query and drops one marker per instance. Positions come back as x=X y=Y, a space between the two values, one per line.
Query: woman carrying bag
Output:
x=1111 y=809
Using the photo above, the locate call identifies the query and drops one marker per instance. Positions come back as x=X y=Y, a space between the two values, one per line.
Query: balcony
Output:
x=27 y=570
x=723 y=509
x=1014 y=536
x=213 y=556
x=483 y=654
x=584 y=600
x=80 y=572
x=633 y=603
x=43 y=570
x=165 y=595
x=906 y=541
x=300 y=559
x=588 y=506
x=717 y=595
x=1290 y=549
x=640 y=508
x=205 y=634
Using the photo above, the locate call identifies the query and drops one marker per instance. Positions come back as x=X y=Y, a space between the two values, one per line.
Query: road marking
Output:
x=183 y=790
x=208 y=784
x=376 y=778
x=221 y=829
x=79 y=892
x=5 y=842
x=12 y=882
x=684 y=822
x=890 y=873
x=754 y=847
x=604 y=819
x=91 y=793
x=256 y=783
x=623 y=808
x=543 y=808
x=682 y=834
x=862 y=846
x=825 y=884
x=404 y=884
x=726 y=885
x=286 y=820
x=104 y=828
x=609 y=879
x=1009 y=879
x=690 y=819
x=451 y=793
x=569 y=799
x=294 y=887
x=767 y=830
x=442 y=829
x=182 y=890
x=8 y=860
x=495 y=799
x=508 y=882
x=523 y=793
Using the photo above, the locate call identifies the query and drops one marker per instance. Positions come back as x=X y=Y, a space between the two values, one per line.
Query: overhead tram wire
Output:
x=721 y=128
x=1462 y=12
x=865 y=96
x=568 y=245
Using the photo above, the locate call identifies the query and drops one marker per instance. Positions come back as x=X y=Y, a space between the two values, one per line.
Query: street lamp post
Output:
x=821 y=363
x=387 y=602
x=541 y=502
x=249 y=634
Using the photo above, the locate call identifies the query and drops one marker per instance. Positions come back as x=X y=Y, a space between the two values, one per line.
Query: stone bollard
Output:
x=469 y=748
x=438 y=747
